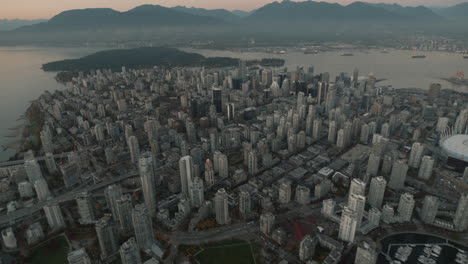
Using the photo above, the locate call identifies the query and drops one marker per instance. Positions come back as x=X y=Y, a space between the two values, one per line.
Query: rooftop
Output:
x=456 y=146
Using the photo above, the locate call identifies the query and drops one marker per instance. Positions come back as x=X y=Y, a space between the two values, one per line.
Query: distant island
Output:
x=148 y=57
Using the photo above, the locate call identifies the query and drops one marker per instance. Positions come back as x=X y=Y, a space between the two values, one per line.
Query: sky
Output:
x=44 y=9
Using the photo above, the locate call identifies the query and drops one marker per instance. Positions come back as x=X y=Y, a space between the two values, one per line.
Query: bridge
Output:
x=13 y=217
x=20 y=162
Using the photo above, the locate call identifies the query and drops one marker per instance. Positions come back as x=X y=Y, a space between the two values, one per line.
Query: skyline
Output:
x=23 y=9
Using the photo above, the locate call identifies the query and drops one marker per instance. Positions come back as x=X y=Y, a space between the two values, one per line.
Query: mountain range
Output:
x=6 y=24
x=276 y=12
x=287 y=18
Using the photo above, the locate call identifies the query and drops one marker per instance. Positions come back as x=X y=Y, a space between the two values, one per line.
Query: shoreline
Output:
x=24 y=132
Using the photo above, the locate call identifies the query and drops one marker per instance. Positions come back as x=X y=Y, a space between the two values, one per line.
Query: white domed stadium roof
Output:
x=456 y=146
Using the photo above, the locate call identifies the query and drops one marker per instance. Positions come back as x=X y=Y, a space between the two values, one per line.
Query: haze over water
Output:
x=22 y=80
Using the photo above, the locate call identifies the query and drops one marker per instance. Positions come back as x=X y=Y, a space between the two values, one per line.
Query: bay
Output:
x=22 y=80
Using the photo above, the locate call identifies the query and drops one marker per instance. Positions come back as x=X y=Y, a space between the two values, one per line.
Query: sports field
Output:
x=227 y=252
x=51 y=252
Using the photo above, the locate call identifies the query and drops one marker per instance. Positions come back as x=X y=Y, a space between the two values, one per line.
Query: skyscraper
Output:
x=387 y=164
x=186 y=174
x=348 y=225
x=307 y=248
x=42 y=189
x=330 y=99
x=317 y=130
x=461 y=215
x=54 y=216
x=151 y=129
x=429 y=209
x=374 y=216
x=398 y=176
x=32 y=168
x=328 y=207
x=134 y=148
x=209 y=173
x=217 y=96
x=357 y=203
x=231 y=111
x=148 y=181
x=373 y=164
x=78 y=256
x=416 y=155
x=284 y=194
x=377 y=191
x=223 y=166
x=245 y=204
x=388 y=213
x=46 y=140
x=465 y=175
x=348 y=132
x=130 y=253
x=112 y=194
x=143 y=227
x=85 y=203
x=425 y=170
x=442 y=124
x=124 y=213
x=106 y=238
x=366 y=252
x=340 y=139
x=267 y=222
x=50 y=163
x=197 y=192
x=434 y=91
x=243 y=70
x=355 y=77
x=364 y=138
x=302 y=195
x=357 y=187
x=406 y=206
x=99 y=132
x=252 y=163
x=221 y=207
x=332 y=132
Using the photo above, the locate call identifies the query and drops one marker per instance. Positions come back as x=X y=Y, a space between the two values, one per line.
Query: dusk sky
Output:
x=34 y=9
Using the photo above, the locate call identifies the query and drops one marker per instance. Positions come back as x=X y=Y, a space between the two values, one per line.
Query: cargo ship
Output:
x=347 y=54
x=418 y=56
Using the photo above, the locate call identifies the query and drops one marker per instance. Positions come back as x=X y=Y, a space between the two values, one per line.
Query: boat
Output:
x=311 y=51
x=418 y=56
x=347 y=54
x=465 y=56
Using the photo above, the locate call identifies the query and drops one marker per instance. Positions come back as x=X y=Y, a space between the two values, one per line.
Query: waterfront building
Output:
x=429 y=210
